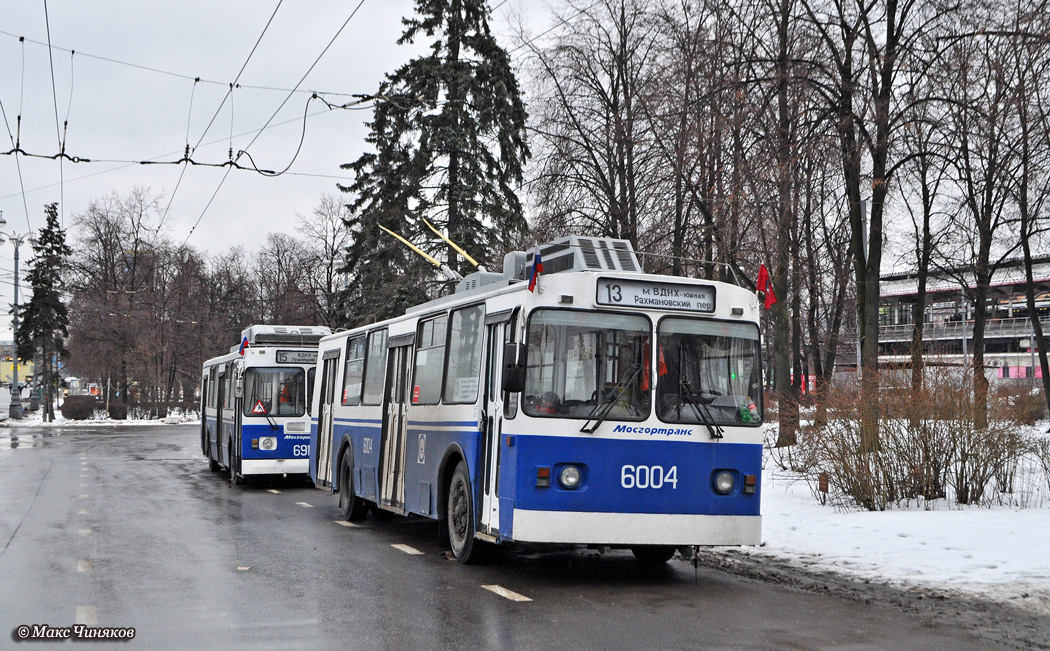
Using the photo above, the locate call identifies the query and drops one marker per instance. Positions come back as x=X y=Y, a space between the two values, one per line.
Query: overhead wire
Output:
x=229 y=92
x=54 y=100
x=179 y=75
x=281 y=106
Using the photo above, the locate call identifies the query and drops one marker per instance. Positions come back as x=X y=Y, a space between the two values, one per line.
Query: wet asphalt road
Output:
x=127 y=527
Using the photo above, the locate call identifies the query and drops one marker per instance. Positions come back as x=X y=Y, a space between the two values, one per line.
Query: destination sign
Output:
x=661 y=296
x=297 y=357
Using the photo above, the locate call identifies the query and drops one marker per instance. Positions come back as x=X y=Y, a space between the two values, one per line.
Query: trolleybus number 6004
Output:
x=648 y=477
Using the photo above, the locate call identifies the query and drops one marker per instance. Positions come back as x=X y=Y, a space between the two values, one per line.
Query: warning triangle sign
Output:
x=258 y=408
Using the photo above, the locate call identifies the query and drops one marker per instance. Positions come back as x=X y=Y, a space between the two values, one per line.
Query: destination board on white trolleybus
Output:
x=652 y=294
x=297 y=357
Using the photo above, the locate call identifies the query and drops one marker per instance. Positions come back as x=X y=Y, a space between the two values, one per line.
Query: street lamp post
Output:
x=16 y=396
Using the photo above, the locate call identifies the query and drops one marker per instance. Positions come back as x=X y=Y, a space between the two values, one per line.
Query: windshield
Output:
x=274 y=392
x=579 y=361
x=708 y=364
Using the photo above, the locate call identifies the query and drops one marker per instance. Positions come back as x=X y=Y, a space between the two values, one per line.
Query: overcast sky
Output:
x=119 y=113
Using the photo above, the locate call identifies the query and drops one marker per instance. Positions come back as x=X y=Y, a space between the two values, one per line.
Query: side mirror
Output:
x=514 y=368
x=238 y=387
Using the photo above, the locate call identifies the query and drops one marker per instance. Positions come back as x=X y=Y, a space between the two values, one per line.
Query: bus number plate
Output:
x=648 y=477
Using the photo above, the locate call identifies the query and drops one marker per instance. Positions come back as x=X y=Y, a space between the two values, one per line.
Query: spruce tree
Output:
x=44 y=320
x=448 y=133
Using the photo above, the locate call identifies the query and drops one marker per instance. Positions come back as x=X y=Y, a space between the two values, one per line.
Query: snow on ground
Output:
x=36 y=419
x=998 y=552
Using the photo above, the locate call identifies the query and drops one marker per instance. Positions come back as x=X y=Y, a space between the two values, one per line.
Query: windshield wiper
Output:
x=602 y=409
x=698 y=405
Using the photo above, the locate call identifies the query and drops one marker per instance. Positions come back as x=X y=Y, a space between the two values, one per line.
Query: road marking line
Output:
x=83 y=463
x=84 y=533
x=83 y=476
x=83 y=458
x=407 y=549
x=305 y=505
x=243 y=568
x=505 y=593
x=346 y=524
x=83 y=512
x=274 y=491
x=83 y=485
x=85 y=566
x=86 y=615
x=82 y=496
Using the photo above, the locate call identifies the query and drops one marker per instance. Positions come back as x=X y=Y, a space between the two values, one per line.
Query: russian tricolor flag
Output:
x=244 y=344
x=537 y=269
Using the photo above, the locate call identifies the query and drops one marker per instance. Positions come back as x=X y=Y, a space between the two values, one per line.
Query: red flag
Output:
x=764 y=284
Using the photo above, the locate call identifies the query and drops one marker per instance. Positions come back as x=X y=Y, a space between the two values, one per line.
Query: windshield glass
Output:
x=708 y=364
x=578 y=361
x=274 y=392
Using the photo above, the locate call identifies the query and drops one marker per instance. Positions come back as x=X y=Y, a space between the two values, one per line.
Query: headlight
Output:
x=268 y=443
x=569 y=477
x=724 y=482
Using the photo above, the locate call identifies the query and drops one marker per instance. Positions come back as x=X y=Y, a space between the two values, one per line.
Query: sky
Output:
x=148 y=107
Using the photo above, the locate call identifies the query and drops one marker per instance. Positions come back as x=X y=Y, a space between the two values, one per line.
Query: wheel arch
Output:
x=453 y=455
x=346 y=443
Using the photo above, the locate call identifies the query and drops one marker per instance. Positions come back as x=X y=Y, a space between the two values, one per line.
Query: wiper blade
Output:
x=602 y=409
x=700 y=407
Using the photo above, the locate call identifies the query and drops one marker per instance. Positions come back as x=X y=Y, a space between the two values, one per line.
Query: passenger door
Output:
x=493 y=428
x=325 y=418
x=395 y=429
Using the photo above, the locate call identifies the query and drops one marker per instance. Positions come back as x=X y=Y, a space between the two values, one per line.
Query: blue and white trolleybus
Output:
x=254 y=402
x=607 y=407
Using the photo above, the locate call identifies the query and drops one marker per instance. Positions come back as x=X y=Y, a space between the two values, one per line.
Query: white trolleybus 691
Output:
x=607 y=407
x=254 y=402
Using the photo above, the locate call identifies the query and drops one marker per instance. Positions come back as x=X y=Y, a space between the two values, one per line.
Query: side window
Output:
x=310 y=374
x=430 y=358
x=464 y=355
x=226 y=388
x=213 y=389
x=354 y=371
x=375 y=369
x=510 y=400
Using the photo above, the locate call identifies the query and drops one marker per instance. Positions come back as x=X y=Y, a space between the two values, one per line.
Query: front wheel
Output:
x=352 y=506
x=653 y=554
x=461 y=516
x=235 y=479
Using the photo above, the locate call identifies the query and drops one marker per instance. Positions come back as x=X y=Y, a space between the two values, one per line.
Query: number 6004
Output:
x=648 y=477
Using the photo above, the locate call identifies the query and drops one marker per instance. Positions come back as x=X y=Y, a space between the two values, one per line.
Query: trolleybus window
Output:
x=213 y=389
x=274 y=392
x=708 y=371
x=430 y=357
x=310 y=374
x=226 y=392
x=580 y=363
x=354 y=372
x=464 y=355
x=375 y=368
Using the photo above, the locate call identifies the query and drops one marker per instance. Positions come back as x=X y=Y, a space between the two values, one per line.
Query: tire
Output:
x=461 y=516
x=352 y=506
x=653 y=554
x=235 y=479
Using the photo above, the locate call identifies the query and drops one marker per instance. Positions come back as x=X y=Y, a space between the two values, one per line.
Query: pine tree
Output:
x=449 y=138
x=44 y=321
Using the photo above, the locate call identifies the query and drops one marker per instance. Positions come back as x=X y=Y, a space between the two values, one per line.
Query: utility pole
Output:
x=16 y=395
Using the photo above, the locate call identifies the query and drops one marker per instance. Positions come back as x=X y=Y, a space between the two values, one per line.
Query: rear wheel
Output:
x=653 y=554
x=461 y=516
x=353 y=507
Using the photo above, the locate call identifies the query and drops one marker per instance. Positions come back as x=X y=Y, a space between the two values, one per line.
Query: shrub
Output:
x=79 y=407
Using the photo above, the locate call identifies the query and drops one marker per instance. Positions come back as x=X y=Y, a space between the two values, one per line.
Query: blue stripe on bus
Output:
x=443 y=423
x=367 y=421
x=608 y=464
